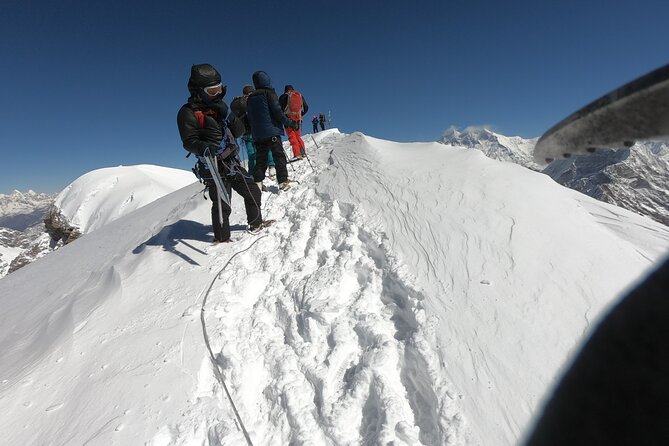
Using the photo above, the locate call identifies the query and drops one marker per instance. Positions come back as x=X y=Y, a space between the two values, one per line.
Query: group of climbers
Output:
x=238 y=107
x=258 y=118
x=320 y=119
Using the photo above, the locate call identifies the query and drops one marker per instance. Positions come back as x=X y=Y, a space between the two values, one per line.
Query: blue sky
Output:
x=86 y=85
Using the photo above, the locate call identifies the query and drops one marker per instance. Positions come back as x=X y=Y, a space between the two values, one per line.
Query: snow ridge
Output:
x=103 y=195
x=335 y=336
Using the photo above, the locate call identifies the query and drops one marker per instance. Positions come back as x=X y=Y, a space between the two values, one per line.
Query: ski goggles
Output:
x=213 y=90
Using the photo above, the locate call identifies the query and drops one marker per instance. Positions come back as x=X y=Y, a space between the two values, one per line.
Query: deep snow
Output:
x=415 y=293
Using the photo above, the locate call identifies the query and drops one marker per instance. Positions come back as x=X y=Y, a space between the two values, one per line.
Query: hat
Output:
x=261 y=80
x=248 y=89
x=203 y=75
x=287 y=88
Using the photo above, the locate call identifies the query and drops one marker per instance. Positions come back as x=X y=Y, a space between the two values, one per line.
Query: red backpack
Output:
x=294 y=106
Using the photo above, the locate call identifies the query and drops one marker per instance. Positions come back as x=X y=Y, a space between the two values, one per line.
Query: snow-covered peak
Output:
x=104 y=195
x=469 y=137
x=495 y=145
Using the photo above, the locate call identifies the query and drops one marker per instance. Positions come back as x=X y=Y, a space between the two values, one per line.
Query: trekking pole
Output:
x=291 y=166
x=284 y=154
x=312 y=138
x=222 y=194
x=304 y=152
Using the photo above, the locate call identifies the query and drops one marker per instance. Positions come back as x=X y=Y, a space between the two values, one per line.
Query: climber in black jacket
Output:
x=206 y=128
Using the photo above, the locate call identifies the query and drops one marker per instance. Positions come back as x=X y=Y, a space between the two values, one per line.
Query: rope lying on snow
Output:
x=217 y=370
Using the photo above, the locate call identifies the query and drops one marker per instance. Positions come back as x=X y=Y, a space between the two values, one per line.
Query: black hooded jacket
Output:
x=238 y=106
x=195 y=136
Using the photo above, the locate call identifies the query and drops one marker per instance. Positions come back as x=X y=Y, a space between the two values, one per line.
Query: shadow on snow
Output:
x=183 y=232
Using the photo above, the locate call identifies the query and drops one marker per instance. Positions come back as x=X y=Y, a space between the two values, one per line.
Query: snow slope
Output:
x=408 y=293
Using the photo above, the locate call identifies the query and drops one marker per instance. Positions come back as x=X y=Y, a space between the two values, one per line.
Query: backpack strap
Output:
x=199 y=115
x=286 y=110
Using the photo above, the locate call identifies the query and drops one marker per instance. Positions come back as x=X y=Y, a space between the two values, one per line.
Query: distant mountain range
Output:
x=20 y=210
x=512 y=149
x=636 y=178
x=21 y=227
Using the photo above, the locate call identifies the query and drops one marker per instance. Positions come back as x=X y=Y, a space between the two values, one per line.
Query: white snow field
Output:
x=406 y=294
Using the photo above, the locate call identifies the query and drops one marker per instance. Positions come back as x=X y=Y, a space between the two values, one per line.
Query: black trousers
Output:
x=244 y=185
x=263 y=147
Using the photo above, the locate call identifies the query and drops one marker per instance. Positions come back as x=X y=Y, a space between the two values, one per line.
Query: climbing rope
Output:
x=217 y=369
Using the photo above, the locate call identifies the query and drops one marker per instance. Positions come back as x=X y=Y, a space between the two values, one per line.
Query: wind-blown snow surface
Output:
x=413 y=293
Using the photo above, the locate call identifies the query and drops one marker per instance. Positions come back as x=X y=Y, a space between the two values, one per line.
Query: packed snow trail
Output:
x=322 y=335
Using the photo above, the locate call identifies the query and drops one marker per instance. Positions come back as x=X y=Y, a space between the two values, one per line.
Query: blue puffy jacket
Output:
x=263 y=110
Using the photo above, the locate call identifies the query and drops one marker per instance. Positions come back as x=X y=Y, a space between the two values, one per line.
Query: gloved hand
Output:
x=295 y=125
x=218 y=105
x=221 y=109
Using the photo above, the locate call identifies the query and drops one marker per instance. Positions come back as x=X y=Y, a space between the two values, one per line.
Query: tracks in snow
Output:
x=323 y=339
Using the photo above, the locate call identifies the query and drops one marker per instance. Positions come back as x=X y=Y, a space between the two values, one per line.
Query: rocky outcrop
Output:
x=58 y=227
x=38 y=248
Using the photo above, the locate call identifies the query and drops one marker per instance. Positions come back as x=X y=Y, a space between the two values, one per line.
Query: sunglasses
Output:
x=213 y=90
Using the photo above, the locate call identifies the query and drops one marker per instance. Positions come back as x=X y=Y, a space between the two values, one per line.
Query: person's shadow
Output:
x=182 y=232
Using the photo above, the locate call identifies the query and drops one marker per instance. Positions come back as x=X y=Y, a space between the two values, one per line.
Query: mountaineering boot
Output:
x=255 y=229
x=285 y=185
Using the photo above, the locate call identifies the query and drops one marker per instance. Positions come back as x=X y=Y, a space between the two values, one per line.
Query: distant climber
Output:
x=321 y=120
x=314 y=123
